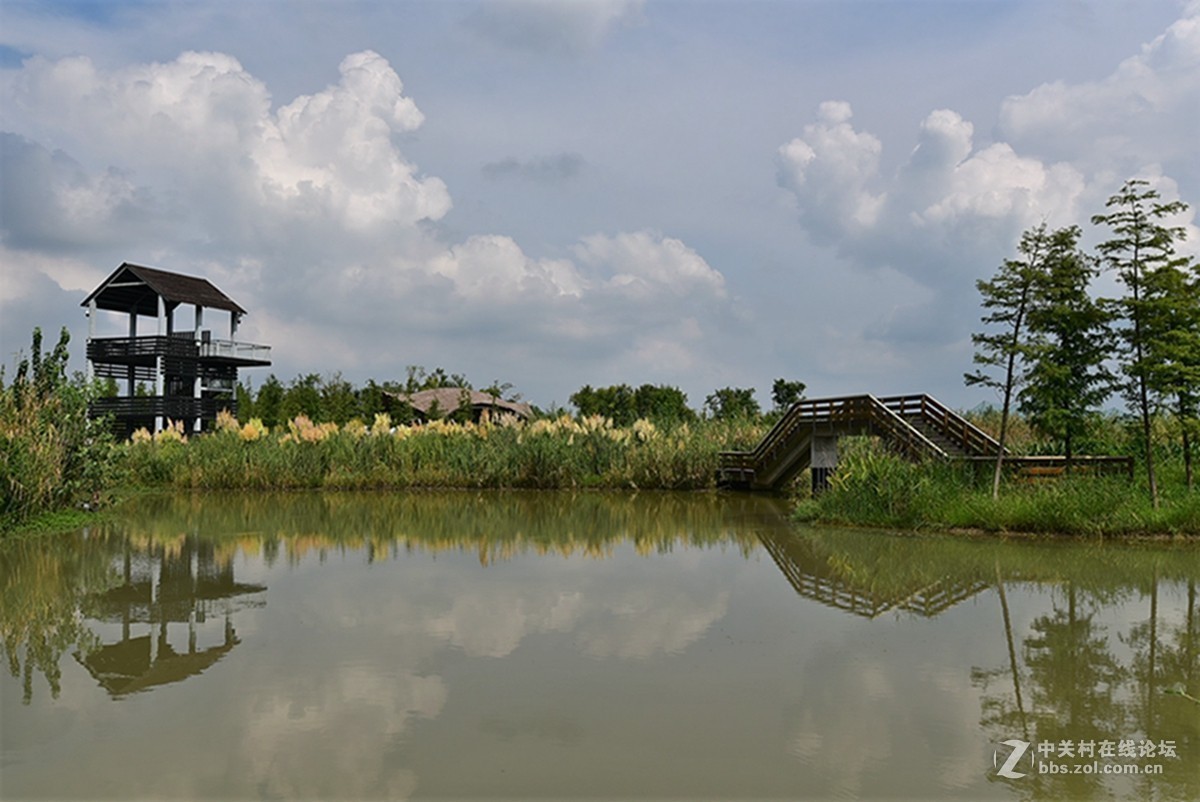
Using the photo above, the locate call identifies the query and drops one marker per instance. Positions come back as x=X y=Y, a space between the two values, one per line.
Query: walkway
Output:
x=917 y=426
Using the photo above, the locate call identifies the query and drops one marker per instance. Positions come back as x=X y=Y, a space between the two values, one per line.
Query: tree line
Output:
x=334 y=399
x=1058 y=354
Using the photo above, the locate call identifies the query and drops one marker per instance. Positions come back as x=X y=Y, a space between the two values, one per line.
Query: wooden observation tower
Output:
x=172 y=374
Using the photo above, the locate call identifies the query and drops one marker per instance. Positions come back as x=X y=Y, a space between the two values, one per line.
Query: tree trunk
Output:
x=1140 y=362
x=1187 y=458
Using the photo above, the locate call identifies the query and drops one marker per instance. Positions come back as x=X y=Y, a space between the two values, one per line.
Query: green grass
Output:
x=875 y=488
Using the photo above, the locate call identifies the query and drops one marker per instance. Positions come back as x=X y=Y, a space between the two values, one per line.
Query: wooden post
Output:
x=130 y=373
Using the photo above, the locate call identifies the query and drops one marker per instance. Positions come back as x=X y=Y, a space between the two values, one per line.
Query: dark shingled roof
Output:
x=133 y=287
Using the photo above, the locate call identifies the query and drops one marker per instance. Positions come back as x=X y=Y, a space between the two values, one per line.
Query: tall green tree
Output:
x=665 y=405
x=1069 y=342
x=732 y=403
x=1172 y=325
x=1006 y=299
x=302 y=397
x=785 y=393
x=244 y=397
x=268 y=403
x=339 y=401
x=1141 y=244
x=615 y=402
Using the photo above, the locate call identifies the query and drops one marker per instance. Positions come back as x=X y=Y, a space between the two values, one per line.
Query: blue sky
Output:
x=701 y=194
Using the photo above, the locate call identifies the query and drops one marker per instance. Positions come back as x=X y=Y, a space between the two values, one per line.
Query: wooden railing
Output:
x=180 y=345
x=892 y=418
x=122 y=350
x=956 y=428
x=236 y=351
x=844 y=413
x=1053 y=466
x=784 y=449
x=173 y=407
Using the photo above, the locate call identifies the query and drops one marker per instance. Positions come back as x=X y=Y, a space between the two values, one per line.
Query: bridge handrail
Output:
x=973 y=439
x=903 y=431
x=865 y=408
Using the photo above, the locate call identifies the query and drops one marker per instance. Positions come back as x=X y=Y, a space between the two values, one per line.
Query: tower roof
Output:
x=134 y=288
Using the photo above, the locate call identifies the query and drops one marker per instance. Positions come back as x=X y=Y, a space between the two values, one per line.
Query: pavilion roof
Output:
x=135 y=288
x=448 y=400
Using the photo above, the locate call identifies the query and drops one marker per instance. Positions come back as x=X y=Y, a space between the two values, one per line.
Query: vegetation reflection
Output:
x=1107 y=661
x=1101 y=640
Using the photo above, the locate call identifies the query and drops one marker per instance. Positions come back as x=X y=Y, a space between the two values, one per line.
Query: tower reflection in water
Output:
x=175 y=607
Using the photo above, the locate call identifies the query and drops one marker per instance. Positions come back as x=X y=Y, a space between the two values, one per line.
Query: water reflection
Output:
x=185 y=585
x=607 y=645
x=830 y=580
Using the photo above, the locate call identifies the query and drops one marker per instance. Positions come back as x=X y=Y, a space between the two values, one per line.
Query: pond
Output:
x=587 y=645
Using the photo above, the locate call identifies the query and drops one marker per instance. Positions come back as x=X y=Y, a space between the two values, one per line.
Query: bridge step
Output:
x=918 y=426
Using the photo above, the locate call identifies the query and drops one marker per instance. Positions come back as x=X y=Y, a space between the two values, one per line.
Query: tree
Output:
x=732 y=403
x=1007 y=295
x=302 y=397
x=1069 y=340
x=1172 y=325
x=666 y=406
x=339 y=401
x=498 y=390
x=615 y=402
x=268 y=404
x=1140 y=246
x=785 y=393
x=371 y=399
x=244 y=397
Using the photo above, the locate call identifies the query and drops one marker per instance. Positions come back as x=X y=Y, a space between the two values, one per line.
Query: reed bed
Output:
x=543 y=454
x=873 y=487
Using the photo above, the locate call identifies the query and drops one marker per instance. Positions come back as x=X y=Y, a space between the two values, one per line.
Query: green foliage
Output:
x=874 y=487
x=244 y=398
x=268 y=404
x=1069 y=341
x=732 y=404
x=1172 y=322
x=1006 y=299
x=302 y=397
x=665 y=406
x=785 y=393
x=1140 y=249
x=51 y=454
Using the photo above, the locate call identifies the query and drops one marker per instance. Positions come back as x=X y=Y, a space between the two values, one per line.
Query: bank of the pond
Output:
x=557 y=453
x=889 y=493
x=872 y=488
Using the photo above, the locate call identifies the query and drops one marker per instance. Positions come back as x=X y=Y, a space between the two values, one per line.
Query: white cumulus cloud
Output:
x=310 y=214
x=1125 y=121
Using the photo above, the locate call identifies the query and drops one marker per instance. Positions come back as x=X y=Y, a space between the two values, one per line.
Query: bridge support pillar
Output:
x=824 y=461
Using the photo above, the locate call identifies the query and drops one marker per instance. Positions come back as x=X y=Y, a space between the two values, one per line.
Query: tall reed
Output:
x=548 y=453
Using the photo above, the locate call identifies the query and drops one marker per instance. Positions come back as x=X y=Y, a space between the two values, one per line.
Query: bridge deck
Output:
x=918 y=426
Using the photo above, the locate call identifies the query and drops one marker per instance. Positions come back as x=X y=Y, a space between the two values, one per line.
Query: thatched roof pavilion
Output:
x=445 y=401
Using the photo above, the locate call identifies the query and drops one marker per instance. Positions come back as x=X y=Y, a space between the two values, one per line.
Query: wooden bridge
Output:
x=917 y=426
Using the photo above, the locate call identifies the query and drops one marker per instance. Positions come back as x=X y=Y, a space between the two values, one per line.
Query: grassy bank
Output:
x=875 y=488
x=542 y=454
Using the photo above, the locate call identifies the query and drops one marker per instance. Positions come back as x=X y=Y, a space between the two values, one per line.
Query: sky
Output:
x=553 y=194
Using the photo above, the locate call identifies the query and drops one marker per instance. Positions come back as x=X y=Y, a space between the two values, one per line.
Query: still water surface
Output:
x=547 y=646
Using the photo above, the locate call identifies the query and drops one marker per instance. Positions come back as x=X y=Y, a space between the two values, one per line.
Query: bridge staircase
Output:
x=917 y=426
